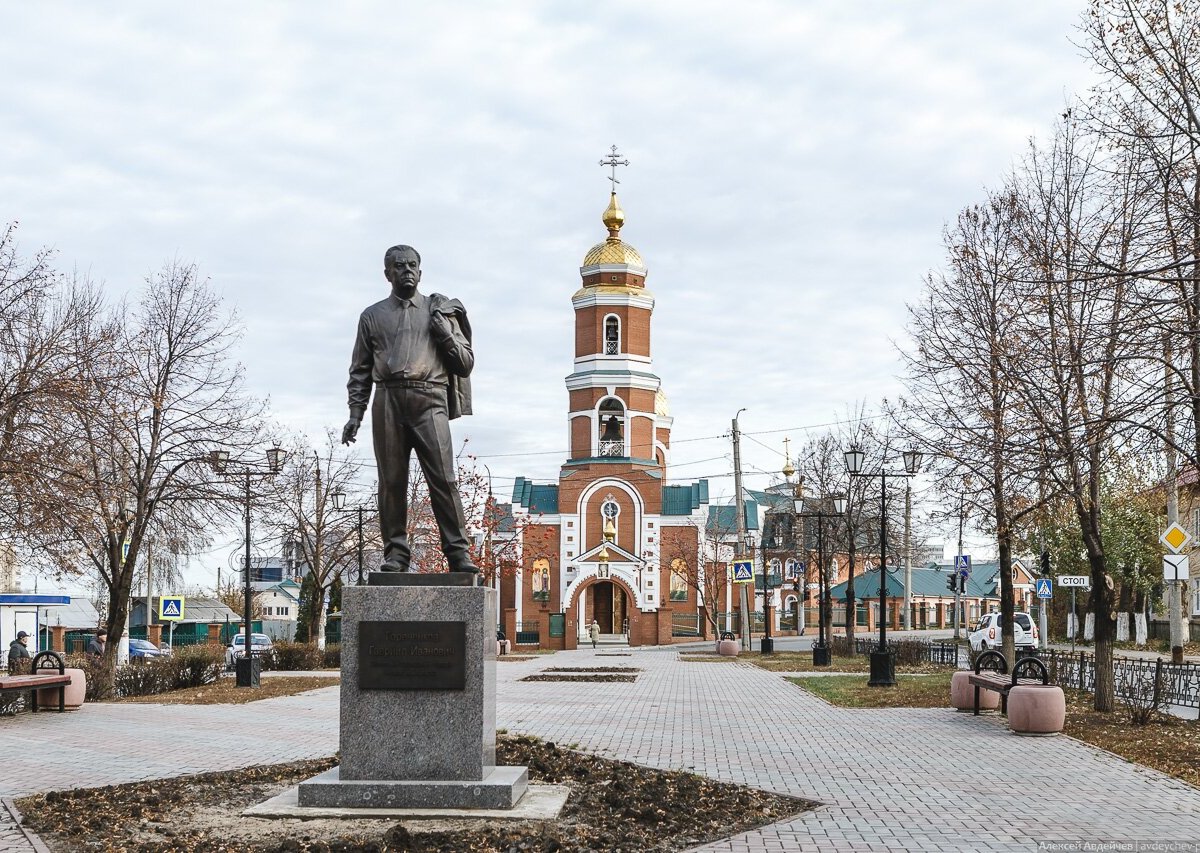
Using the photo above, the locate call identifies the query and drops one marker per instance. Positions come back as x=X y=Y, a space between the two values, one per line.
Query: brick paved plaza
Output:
x=890 y=780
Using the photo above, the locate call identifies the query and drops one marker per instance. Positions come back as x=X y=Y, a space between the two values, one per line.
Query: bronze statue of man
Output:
x=416 y=349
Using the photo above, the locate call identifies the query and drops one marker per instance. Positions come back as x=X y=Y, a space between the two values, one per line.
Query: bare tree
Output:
x=962 y=407
x=1083 y=208
x=150 y=408
x=302 y=510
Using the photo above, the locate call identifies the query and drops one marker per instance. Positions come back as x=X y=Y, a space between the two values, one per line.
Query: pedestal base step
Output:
x=500 y=789
x=540 y=802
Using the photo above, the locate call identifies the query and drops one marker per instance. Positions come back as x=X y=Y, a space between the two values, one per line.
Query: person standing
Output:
x=416 y=350
x=95 y=646
x=594 y=632
x=18 y=654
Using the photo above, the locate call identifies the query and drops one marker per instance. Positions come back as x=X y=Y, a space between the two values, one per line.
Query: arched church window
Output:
x=612 y=428
x=612 y=335
x=539 y=582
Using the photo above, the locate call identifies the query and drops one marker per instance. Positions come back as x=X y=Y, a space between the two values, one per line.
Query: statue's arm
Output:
x=359 y=387
x=455 y=347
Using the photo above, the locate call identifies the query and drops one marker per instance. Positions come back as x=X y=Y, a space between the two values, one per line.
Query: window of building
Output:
x=1195 y=598
x=1196 y=522
x=612 y=335
x=611 y=413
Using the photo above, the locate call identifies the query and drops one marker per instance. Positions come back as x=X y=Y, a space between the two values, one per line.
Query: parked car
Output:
x=143 y=649
x=260 y=645
x=987 y=633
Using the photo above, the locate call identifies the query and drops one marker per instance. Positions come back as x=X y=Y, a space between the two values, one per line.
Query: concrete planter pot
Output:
x=729 y=648
x=1036 y=709
x=73 y=693
x=962 y=694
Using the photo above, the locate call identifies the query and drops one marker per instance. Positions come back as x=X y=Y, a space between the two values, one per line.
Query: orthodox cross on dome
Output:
x=613 y=160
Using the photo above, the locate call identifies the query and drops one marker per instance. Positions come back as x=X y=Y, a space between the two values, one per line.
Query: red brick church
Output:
x=599 y=543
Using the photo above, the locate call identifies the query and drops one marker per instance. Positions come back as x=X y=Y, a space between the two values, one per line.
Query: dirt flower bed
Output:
x=592 y=669
x=613 y=806
x=226 y=692
x=594 y=677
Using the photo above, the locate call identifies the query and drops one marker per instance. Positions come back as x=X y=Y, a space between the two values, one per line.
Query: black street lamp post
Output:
x=767 y=645
x=820 y=650
x=246 y=673
x=339 y=505
x=883 y=661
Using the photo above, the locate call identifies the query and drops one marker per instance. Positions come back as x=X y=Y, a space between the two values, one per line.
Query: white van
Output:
x=987 y=633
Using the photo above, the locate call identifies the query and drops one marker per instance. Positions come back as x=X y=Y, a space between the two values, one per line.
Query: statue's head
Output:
x=402 y=266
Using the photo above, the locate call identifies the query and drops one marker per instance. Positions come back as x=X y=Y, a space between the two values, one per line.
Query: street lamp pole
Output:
x=883 y=662
x=339 y=505
x=219 y=460
x=820 y=651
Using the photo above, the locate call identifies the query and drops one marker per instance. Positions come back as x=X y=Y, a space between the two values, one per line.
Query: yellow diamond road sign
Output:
x=1175 y=538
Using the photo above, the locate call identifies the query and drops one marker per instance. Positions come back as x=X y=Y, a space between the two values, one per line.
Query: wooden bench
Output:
x=991 y=673
x=43 y=675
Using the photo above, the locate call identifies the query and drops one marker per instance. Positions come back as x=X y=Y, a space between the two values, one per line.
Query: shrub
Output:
x=293 y=657
x=195 y=666
x=333 y=657
x=144 y=678
x=91 y=673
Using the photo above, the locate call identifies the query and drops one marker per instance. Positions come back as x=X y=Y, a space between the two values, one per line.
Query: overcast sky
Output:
x=792 y=166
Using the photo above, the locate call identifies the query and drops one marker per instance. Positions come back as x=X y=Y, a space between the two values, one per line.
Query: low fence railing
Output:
x=685 y=624
x=528 y=634
x=1134 y=679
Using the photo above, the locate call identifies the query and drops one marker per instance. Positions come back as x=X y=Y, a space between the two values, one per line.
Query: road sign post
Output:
x=1074 y=582
x=1175 y=538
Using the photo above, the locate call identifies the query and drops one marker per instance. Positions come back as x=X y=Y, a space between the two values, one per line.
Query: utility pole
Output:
x=149 y=585
x=958 y=582
x=740 y=509
x=1174 y=589
x=908 y=555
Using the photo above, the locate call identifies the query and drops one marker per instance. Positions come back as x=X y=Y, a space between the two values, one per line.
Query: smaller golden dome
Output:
x=614 y=250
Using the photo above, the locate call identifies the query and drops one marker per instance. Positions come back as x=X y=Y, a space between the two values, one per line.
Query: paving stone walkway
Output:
x=889 y=780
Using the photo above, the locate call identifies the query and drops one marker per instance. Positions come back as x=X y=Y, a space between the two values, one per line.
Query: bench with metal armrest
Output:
x=991 y=673
x=47 y=670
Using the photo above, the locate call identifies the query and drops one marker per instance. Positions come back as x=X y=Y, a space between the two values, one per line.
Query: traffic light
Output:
x=1045 y=564
x=951 y=581
x=962 y=583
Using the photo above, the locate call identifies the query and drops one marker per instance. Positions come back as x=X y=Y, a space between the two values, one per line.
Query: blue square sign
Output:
x=1045 y=589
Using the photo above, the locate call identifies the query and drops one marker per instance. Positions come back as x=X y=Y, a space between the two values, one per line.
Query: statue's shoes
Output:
x=466 y=567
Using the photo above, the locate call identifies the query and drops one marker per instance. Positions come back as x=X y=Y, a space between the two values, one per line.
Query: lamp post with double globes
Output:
x=219 y=460
x=820 y=651
x=883 y=661
x=339 y=505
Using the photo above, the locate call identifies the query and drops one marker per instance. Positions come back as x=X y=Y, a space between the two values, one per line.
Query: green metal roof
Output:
x=535 y=498
x=722 y=520
x=929 y=583
x=772 y=501
x=684 y=500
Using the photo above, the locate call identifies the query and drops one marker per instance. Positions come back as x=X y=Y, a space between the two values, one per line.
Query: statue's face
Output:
x=403 y=270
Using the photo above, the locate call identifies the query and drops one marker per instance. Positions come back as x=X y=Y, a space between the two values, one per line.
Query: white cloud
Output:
x=792 y=166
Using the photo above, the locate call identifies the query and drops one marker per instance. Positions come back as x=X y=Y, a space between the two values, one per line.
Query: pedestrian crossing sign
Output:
x=1045 y=589
x=170 y=608
x=743 y=571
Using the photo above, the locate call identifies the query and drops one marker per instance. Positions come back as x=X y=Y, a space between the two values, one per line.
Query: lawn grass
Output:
x=851 y=691
x=802 y=662
x=226 y=692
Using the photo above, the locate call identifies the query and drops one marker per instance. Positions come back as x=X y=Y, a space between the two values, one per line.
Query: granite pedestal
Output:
x=418 y=700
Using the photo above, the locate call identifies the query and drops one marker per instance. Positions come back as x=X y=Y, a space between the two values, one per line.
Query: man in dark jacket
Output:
x=18 y=654
x=95 y=646
x=416 y=350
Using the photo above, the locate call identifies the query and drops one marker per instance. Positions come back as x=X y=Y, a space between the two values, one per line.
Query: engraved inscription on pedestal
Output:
x=412 y=655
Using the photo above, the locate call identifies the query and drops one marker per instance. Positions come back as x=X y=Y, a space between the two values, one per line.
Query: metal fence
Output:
x=1133 y=678
x=913 y=651
x=685 y=624
x=528 y=634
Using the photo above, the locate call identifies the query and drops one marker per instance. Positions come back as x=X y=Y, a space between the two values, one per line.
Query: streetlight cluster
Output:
x=247 y=674
x=883 y=661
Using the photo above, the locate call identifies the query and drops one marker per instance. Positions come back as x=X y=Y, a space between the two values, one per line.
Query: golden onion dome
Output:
x=613 y=250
